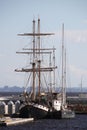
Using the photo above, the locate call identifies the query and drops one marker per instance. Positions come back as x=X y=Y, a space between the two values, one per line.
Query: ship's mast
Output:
x=39 y=61
x=33 y=63
x=63 y=69
x=50 y=80
x=63 y=94
x=36 y=51
x=65 y=78
x=54 y=69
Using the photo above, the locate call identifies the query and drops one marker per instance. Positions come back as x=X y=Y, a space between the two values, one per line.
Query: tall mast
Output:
x=65 y=78
x=54 y=69
x=39 y=37
x=63 y=64
x=33 y=63
x=39 y=61
x=33 y=40
x=36 y=51
x=50 y=80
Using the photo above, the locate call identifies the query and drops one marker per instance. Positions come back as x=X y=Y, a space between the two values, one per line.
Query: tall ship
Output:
x=41 y=99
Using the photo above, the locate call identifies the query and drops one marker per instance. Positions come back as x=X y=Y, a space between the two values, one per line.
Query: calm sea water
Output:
x=78 y=123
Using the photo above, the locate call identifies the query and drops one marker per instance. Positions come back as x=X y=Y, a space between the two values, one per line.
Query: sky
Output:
x=16 y=16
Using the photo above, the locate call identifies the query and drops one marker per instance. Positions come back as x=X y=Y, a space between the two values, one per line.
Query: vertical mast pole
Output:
x=54 y=69
x=65 y=80
x=39 y=61
x=39 y=37
x=33 y=40
x=50 y=75
x=63 y=64
x=33 y=64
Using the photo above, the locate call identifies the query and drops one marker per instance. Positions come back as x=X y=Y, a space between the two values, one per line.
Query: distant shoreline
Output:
x=21 y=89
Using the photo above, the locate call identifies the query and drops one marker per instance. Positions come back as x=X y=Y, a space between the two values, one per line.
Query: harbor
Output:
x=43 y=66
x=12 y=102
x=42 y=101
x=7 y=119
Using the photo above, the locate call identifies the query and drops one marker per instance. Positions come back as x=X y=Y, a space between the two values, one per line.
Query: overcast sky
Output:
x=16 y=17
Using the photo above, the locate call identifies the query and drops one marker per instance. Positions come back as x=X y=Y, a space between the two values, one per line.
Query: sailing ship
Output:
x=60 y=107
x=41 y=101
x=65 y=111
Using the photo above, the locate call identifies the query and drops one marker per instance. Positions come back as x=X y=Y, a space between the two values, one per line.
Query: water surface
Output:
x=78 y=123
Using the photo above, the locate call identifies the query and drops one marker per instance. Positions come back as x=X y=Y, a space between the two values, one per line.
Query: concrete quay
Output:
x=8 y=121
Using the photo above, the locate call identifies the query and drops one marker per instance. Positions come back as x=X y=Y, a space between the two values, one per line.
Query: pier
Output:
x=8 y=121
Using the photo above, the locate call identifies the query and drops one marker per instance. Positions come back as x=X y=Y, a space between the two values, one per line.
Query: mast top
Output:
x=36 y=33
